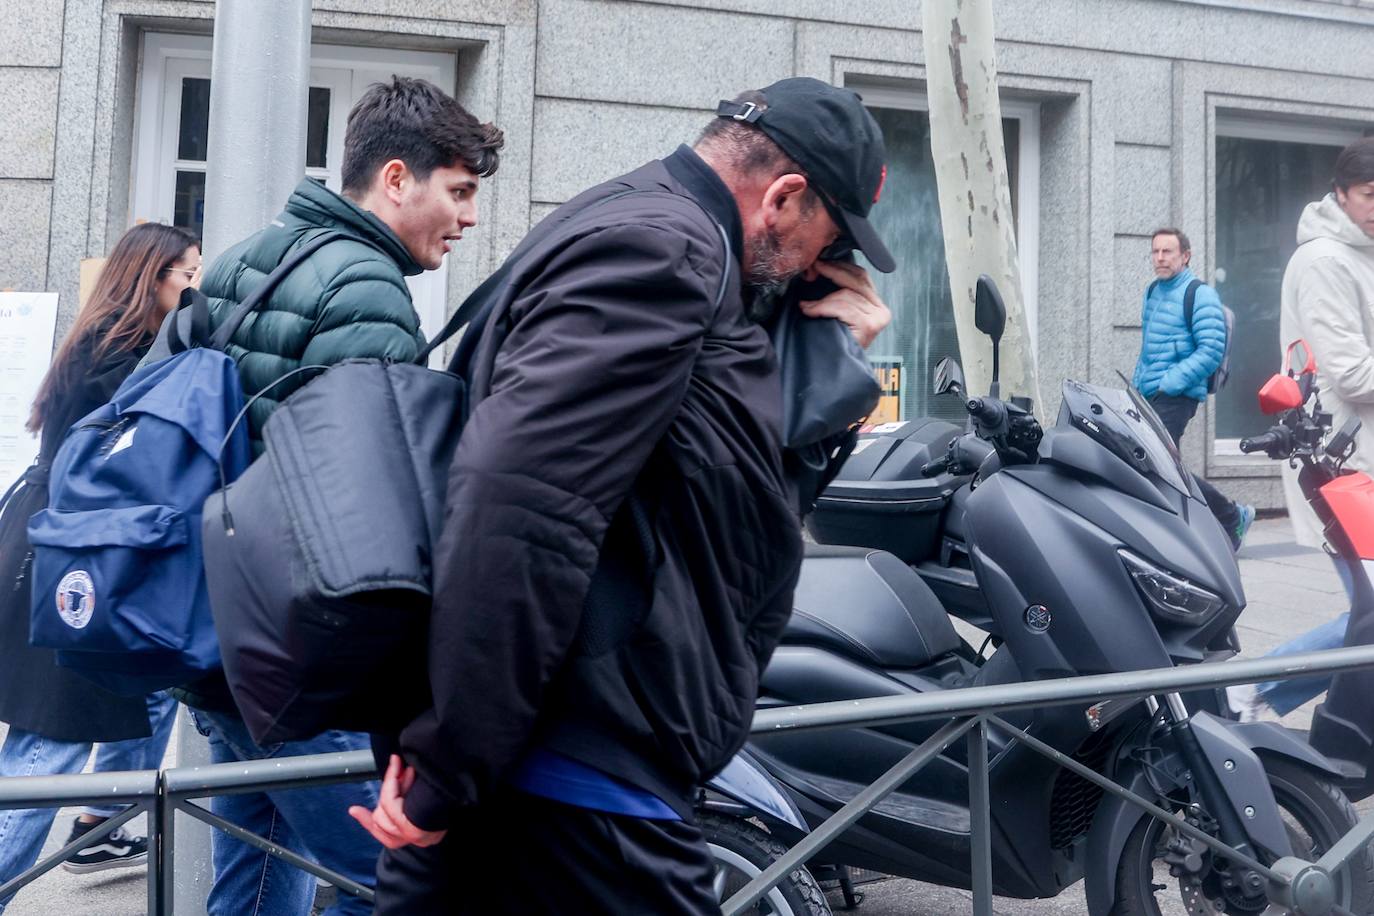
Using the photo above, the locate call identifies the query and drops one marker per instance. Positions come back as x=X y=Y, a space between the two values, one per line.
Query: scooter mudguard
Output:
x=1245 y=785
x=1241 y=773
x=745 y=781
x=1112 y=826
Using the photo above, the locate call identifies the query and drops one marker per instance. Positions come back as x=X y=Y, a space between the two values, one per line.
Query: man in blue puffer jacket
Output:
x=1177 y=360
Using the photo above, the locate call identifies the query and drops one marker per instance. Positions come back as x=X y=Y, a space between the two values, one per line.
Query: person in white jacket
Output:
x=1328 y=301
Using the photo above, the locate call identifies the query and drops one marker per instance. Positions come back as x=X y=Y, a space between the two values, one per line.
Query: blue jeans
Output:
x=312 y=822
x=22 y=831
x=1285 y=696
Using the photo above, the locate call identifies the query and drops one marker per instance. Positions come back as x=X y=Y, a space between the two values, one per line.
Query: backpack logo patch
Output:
x=76 y=599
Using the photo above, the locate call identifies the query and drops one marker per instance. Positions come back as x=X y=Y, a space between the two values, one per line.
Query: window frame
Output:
x=346 y=70
x=1251 y=126
x=1027 y=115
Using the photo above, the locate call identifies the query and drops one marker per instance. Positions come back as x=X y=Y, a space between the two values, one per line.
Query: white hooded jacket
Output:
x=1328 y=300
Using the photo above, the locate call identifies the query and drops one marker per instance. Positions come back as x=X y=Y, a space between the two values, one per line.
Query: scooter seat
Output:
x=870 y=606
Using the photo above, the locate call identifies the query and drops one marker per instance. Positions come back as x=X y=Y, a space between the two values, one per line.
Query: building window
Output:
x=173 y=120
x=1266 y=173
x=908 y=220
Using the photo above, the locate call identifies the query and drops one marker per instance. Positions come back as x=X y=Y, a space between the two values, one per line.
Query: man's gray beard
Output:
x=765 y=283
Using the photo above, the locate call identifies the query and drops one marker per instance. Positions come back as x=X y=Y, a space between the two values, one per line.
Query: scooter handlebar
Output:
x=987 y=411
x=1263 y=442
x=935 y=468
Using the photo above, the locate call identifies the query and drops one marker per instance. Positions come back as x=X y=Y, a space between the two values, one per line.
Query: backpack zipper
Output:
x=23 y=570
x=113 y=431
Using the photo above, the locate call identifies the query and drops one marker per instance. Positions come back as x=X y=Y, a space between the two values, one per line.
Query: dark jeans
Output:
x=525 y=856
x=1174 y=412
x=311 y=822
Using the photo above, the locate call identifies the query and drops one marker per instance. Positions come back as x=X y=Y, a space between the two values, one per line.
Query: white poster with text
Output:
x=28 y=322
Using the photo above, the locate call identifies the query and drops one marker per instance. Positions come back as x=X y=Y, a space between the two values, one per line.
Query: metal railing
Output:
x=162 y=794
x=139 y=789
x=1292 y=882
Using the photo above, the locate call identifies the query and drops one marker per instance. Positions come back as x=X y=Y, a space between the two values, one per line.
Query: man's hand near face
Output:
x=856 y=302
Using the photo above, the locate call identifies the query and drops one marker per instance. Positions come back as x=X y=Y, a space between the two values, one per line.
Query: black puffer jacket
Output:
x=611 y=371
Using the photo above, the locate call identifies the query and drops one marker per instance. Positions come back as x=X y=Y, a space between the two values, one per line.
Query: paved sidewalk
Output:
x=1290 y=589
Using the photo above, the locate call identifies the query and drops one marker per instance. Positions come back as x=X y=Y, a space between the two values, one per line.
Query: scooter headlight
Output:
x=1171 y=597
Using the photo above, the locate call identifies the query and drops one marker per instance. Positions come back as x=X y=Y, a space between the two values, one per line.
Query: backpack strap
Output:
x=220 y=339
x=194 y=303
x=472 y=305
x=469 y=311
x=1188 y=296
x=465 y=312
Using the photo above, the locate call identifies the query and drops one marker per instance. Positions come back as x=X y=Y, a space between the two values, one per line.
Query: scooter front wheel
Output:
x=1316 y=814
x=742 y=851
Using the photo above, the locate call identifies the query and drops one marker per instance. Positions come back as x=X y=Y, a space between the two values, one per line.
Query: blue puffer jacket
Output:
x=1172 y=359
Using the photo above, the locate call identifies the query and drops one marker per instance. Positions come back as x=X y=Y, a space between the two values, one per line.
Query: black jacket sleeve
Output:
x=598 y=355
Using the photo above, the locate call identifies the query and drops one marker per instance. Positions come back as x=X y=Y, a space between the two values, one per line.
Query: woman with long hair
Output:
x=54 y=716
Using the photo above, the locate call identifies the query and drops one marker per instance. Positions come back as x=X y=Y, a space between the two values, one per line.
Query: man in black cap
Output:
x=620 y=545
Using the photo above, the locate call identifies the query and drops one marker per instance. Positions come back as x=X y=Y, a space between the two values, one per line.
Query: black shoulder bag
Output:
x=318 y=558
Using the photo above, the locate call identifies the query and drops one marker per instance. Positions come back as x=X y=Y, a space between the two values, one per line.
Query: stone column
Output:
x=260 y=79
x=260 y=83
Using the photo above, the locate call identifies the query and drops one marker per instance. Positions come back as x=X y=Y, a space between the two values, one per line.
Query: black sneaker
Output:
x=117 y=850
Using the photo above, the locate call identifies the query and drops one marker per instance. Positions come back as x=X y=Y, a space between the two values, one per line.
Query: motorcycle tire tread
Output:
x=1321 y=792
x=801 y=880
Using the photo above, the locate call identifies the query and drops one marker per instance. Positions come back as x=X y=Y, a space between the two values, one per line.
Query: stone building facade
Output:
x=1219 y=116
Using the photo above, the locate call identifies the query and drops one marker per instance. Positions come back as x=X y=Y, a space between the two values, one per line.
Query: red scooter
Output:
x=1343 y=499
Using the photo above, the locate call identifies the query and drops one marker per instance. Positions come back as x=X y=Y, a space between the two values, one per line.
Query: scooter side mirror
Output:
x=949 y=376
x=1280 y=393
x=989 y=311
x=990 y=317
x=1299 y=353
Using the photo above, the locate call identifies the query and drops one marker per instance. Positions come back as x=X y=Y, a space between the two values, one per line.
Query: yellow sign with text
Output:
x=889 y=374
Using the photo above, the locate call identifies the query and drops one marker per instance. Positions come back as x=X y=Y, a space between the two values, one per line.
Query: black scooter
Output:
x=1094 y=552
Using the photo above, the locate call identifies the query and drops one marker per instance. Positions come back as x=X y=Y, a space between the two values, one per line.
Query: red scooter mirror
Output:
x=1280 y=393
x=1290 y=390
x=1302 y=351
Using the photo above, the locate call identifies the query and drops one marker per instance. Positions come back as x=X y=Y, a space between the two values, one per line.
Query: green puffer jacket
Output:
x=348 y=300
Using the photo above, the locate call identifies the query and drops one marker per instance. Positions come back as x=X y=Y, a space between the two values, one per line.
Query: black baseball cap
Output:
x=829 y=133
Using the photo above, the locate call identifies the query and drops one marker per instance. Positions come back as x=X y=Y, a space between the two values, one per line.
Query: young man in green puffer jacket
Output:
x=1177 y=358
x=412 y=161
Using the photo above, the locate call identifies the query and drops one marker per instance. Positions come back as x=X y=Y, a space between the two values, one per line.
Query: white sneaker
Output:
x=1245 y=701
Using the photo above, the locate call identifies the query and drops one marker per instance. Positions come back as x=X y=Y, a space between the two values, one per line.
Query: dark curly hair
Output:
x=414 y=121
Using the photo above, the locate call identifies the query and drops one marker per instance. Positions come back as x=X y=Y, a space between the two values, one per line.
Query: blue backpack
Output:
x=118 y=573
x=118 y=582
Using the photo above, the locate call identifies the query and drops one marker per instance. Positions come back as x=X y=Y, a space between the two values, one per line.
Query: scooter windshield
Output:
x=1124 y=423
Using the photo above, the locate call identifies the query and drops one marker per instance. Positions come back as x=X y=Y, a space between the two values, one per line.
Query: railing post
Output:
x=980 y=819
x=155 y=852
x=166 y=829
